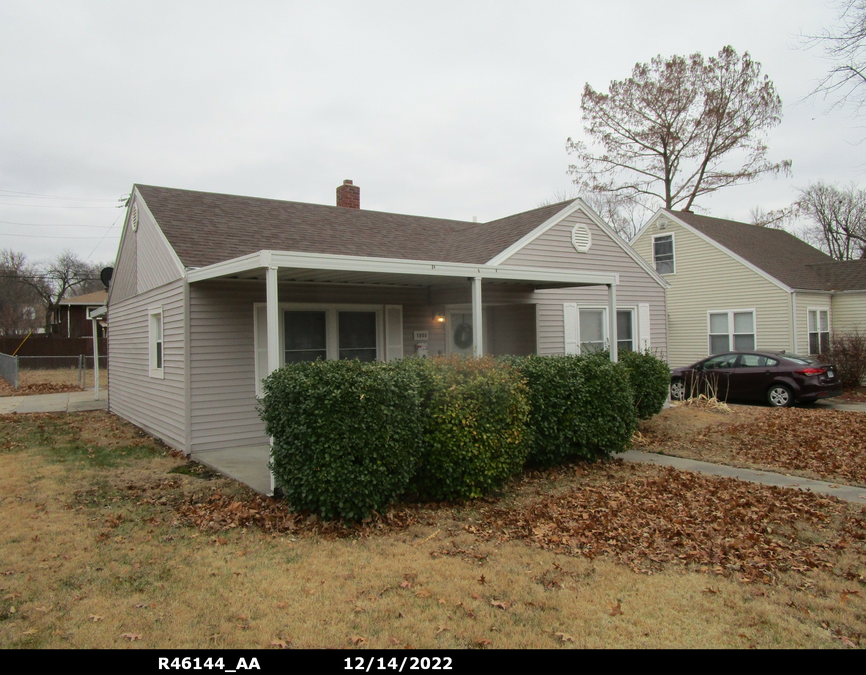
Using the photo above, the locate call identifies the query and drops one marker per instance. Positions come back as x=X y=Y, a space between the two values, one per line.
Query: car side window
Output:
x=753 y=361
x=721 y=361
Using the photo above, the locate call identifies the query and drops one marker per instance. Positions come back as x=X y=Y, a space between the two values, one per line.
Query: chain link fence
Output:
x=67 y=372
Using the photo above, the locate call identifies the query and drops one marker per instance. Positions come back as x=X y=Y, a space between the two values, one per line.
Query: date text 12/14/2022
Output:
x=407 y=663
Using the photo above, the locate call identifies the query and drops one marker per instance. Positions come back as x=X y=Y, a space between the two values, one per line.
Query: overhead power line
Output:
x=36 y=195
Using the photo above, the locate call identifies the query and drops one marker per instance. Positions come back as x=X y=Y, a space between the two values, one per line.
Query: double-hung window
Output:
x=156 y=343
x=311 y=332
x=663 y=253
x=731 y=331
x=819 y=331
x=592 y=330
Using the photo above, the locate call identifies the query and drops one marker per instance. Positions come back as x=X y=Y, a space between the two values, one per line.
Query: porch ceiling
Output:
x=312 y=268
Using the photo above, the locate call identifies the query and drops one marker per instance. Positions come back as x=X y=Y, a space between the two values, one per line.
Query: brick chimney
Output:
x=349 y=195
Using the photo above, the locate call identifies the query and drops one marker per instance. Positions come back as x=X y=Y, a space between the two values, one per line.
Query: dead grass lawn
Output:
x=106 y=540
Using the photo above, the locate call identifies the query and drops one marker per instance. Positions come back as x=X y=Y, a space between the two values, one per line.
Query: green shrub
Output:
x=475 y=436
x=346 y=434
x=650 y=379
x=580 y=407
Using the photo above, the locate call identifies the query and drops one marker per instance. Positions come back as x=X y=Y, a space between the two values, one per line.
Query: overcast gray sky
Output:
x=446 y=109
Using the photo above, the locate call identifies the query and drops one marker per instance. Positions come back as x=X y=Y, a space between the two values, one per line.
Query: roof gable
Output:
x=777 y=253
x=206 y=228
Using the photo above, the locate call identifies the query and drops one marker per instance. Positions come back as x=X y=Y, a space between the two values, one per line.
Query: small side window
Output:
x=156 y=342
x=663 y=253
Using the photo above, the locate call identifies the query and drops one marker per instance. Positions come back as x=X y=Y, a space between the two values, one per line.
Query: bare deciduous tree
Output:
x=20 y=305
x=678 y=128
x=837 y=219
x=53 y=280
x=626 y=215
x=845 y=46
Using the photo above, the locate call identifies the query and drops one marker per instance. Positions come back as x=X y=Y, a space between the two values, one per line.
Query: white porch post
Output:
x=611 y=316
x=273 y=311
x=95 y=359
x=477 y=337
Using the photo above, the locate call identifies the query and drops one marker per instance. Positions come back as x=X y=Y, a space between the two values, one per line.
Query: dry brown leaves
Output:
x=219 y=512
x=35 y=388
x=830 y=443
x=724 y=526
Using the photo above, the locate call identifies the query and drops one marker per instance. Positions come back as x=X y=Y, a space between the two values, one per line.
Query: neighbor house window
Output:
x=663 y=253
x=156 y=341
x=819 y=331
x=732 y=331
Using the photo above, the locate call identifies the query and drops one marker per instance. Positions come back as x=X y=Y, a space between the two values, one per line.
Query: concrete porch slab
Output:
x=248 y=465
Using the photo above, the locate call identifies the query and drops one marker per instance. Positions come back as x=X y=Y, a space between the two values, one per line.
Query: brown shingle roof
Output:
x=95 y=298
x=842 y=275
x=779 y=253
x=206 y=228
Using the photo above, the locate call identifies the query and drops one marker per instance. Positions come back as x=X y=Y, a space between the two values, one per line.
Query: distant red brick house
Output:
x=70 y=318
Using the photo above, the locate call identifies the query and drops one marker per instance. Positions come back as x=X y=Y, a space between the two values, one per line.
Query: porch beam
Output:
x=611 y=314
x=390 y=266
x=477 y=328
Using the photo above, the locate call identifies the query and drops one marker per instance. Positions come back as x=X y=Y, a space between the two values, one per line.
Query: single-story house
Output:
x=211 y=292
x=71 y=317
x=736 y=286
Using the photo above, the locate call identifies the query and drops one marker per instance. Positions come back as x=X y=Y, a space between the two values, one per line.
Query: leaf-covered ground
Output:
x=815 y=443
x=647 y=519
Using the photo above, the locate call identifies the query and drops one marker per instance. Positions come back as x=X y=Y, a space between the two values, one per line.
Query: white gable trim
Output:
x=757 y=270
x=577 y=205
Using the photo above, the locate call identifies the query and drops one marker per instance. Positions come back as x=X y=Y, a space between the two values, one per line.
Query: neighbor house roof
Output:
x=95 y=298
x=842 y=275
x=206 y=228
x=778 y=253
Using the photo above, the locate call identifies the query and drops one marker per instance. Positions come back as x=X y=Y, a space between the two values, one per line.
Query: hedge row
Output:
x=350 y=437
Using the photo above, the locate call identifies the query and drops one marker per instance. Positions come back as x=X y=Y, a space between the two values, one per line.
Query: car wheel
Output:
x=678 y=390
x=780 y=396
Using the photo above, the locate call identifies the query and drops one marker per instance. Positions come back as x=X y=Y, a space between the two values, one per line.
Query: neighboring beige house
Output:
x=211 y=292
x=735 y=286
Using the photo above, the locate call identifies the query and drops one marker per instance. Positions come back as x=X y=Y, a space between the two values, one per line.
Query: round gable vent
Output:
x=581 y=238
x=134 y=217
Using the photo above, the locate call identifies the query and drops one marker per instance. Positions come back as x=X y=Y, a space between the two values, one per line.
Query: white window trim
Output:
x=153 y=370
x=809 y=310
x=605 y=325
x=635 y=333
x=730 y=313
x=673 y=246
x=331 y=329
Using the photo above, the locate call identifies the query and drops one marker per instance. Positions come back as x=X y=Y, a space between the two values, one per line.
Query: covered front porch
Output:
x=246 y=316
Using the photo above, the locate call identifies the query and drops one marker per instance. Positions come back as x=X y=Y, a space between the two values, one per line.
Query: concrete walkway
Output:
x=846 y=492
x=75 y=401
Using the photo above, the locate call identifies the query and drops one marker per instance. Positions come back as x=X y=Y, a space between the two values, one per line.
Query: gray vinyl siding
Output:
x=707 y=278
x=554 y=249
x=157 y=262
x=145 y=260
x=511 y=330
x=156 y=405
